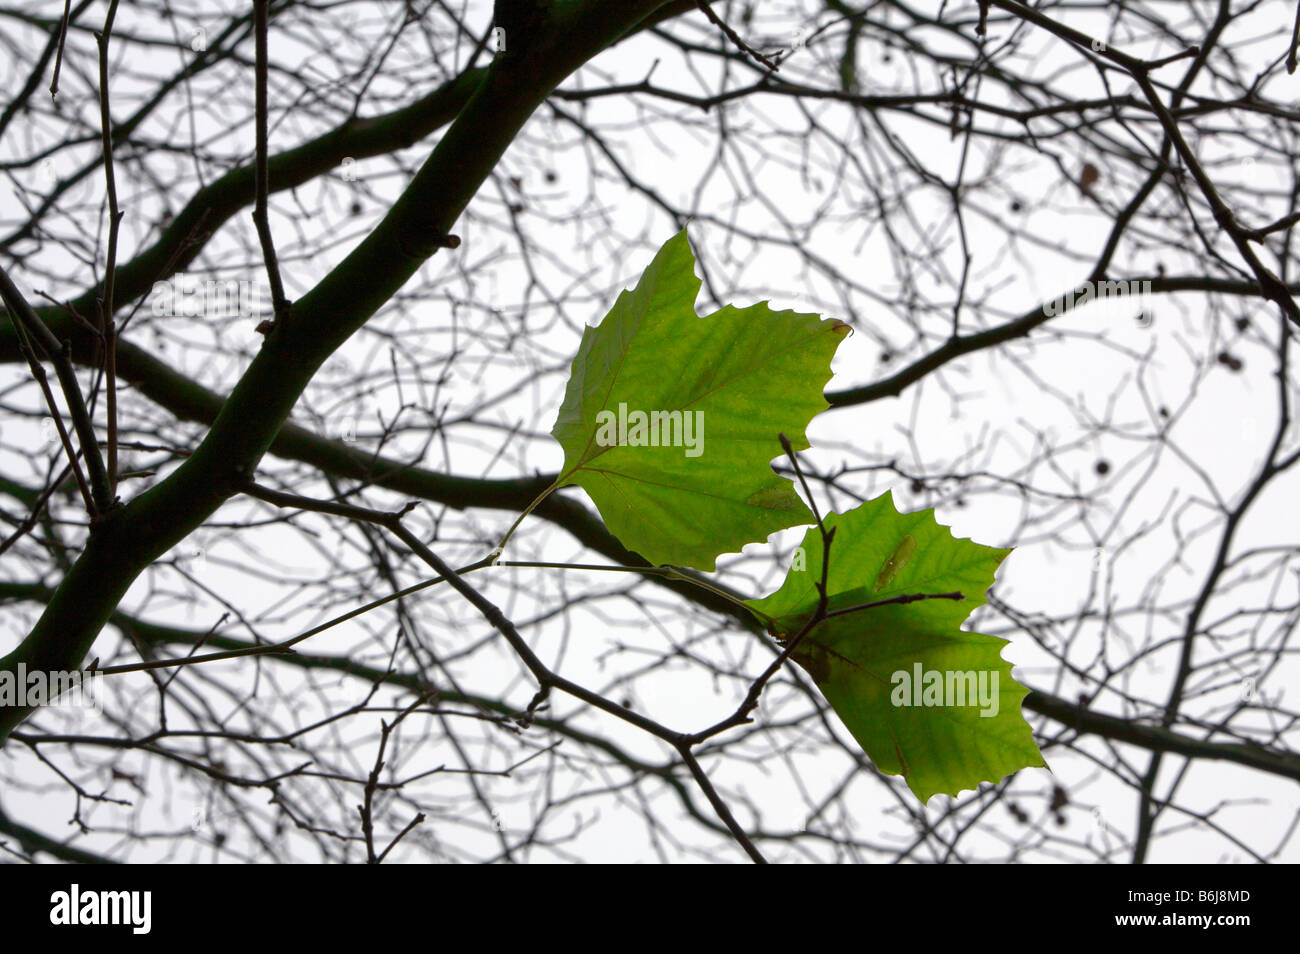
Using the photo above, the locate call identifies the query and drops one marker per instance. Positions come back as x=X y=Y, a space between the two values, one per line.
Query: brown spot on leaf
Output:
x=774 y=498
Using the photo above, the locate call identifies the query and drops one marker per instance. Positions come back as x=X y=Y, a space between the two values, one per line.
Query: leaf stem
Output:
x=501 y=547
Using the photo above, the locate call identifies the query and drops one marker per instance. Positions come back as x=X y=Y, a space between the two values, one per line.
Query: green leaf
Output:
x=944 y=744
x=734 y=381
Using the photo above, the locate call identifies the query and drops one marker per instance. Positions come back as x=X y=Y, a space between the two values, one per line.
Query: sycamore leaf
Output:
x=670 y=421
x=924 y=699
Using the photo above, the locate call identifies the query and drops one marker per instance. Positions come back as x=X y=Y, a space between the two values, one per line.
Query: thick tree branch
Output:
x=135 y=535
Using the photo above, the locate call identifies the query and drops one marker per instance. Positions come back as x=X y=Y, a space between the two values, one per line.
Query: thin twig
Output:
x=279 y=304
x=42 y=381
x=58 y=55
x=57 y=353
x=546 y=678
x=366 y=809
x=1271 y=287
x=1295 y=40
x=107 y=324
x=719 y=805
x=735 y=37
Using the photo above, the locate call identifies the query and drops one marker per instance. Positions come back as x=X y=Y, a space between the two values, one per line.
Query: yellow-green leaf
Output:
x=925 y=699
x=670 y=421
